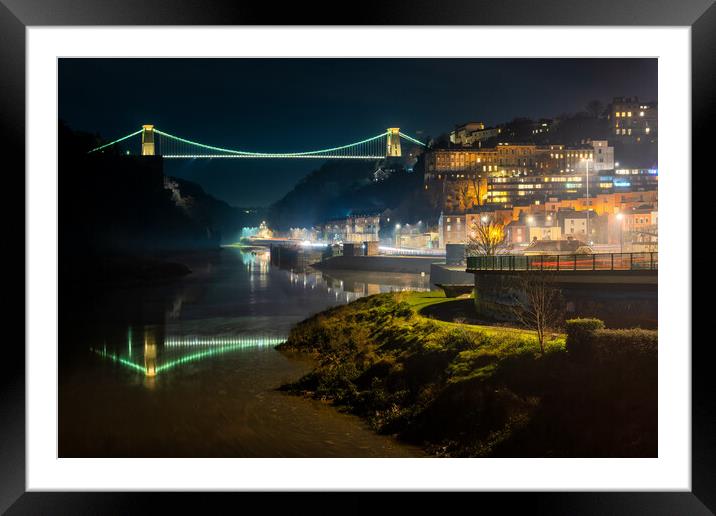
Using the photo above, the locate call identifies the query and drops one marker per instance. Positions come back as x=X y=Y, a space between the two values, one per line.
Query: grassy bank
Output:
x=470 y=390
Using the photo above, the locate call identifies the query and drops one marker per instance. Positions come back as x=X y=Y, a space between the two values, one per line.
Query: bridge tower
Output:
x=147 y=140
x=393 y=147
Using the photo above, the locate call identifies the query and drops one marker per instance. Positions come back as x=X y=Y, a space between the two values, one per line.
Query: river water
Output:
x=188 y=368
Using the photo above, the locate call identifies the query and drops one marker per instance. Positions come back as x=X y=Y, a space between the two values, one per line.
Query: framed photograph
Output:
x=413 y=250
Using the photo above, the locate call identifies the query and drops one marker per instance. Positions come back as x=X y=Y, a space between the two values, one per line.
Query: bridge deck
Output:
x=565 y=262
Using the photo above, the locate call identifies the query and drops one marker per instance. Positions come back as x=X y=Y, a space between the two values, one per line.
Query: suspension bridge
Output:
x=159 y=143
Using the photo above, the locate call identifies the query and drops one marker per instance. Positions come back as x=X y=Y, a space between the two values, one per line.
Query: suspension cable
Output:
x=363 y=148
x=270 y=154
x=116 y=141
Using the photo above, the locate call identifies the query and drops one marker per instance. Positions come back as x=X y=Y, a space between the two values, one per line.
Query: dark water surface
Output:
x=188 y=369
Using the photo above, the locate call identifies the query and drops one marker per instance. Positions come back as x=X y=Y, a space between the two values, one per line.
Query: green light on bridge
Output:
x=410 y=138
x=115 y=141
x=362 y=149
x=270 y=154
x=275 y=156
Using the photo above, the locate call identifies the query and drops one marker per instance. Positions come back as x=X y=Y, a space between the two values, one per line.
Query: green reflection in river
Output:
x=205 y=353
x=172 y=356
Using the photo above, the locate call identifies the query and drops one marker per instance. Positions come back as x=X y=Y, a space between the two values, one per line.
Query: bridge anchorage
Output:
x=158 y=143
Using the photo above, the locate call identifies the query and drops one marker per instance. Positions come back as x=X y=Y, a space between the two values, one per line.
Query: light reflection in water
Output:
x=214 y=393
x=223 y=341
x=257 y=263
x=352 y=289
x=150 y=353
x=161 y=354
x=171 y=355
x=205 y=353
x=358 y=284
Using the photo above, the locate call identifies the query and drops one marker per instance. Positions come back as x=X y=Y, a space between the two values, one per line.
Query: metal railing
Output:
x=408 y=251
x=565 y=262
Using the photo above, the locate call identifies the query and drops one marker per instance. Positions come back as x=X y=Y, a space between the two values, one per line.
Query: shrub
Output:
x=580 y=334
x=589 y=338
x=616 y=343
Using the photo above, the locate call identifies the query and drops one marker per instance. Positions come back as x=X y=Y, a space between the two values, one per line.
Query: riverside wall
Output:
x=621 y=299
x=403 y=264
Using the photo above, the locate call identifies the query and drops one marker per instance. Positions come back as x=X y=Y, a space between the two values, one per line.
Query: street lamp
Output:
x=530 y=221
x=587 y=160
x=620 y=218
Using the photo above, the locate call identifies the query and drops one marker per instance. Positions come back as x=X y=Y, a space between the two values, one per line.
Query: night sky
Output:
x=304 y=104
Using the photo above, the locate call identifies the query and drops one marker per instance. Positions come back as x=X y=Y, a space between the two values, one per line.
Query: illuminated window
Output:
x=629 y=113
x=641 y=113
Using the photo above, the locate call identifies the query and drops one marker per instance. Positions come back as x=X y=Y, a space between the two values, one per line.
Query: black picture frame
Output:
x=16 y=15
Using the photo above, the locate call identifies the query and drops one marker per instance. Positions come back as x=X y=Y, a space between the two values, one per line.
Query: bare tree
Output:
x=462 y=191
x=538 y=304
x=595 y=108
x=475 y=178
x=476 y=187
x=485 y=238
